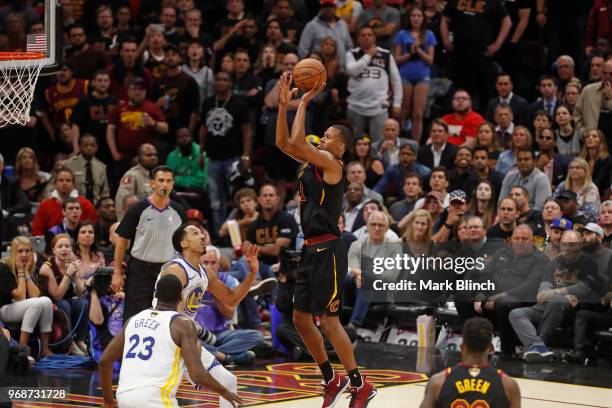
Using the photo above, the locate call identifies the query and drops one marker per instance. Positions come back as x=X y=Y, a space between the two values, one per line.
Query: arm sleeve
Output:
x=127 y=226
x=354 y=68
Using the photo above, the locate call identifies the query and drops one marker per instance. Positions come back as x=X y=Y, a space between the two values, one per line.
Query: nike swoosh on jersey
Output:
x=321 y=249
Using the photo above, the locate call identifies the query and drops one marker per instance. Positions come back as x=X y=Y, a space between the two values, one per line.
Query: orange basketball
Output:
x=307 y=73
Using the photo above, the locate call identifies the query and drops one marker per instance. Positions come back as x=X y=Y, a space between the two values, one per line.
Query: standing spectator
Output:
x=71 y=212
x=595 y=152
x=579 y=181
x=243 y=37
x=107 y=216
x=225 y=136
x=194 y=32
x=169 y=18
x=594 y=106
x=32 y=181
x=479 y=31
x=152 y=51
x=61 y=280
x=521 y=139
x=90 y=115
x=370 y=71
x=392 y=180
x=480 y=162
x=383 y=19
x=20 y=298
x=104 y=36
x=195 y=65
x=504 y=87
x=89 y=172
x=126 y=68
x=388 y=147
x=439 y=152
x=414 y=51
x=132 y=123
x=49 y=213
x=528 y=176
x=235 y=14
x=463 y=122
x=275 y=37
x=137 y=180
x=568 y=139
x=290 y=24
x=60 y=99
x=595 y=69
x=549 y=101
x=148 y=227
x=82 y=57
x=598 y=25
x=323 y=25
x=507 y=213
x=177 y=94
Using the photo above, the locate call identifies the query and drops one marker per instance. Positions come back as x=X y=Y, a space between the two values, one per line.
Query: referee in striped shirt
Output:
x=148 y=227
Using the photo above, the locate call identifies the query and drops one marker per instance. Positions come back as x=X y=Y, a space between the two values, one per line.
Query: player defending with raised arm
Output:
x=318 y=288
x=473 y=382
x=190 y=241
x=156 y=346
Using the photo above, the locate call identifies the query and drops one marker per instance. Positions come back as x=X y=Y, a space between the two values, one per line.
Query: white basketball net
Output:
x=17 y=82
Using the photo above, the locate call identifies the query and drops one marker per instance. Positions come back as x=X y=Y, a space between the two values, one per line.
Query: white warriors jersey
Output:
x=193 y=291
x=151 y=359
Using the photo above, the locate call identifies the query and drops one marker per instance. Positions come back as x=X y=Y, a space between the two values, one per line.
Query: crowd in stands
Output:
x=475 y=122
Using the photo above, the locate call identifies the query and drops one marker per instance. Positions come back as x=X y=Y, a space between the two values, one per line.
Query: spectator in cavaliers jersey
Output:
x=151 y=50
x=225 y=136
x=177 y=94
x=126 y=68
x=104 y=35
x=60 y=99
x=370 y=70
x=463 y=122
x=90 y=115
x=49 y=213
x=84 y=58
x=132 y=123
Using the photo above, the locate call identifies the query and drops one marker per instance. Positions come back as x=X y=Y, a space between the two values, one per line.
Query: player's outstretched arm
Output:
x=432 y=391
x=513 y=392
x=184 y=335
x=232 y=297
x=112 y=353
x=285 y=94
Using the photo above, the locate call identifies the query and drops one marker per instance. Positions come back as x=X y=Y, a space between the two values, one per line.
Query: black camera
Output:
x=101 y=281
x=290 y=262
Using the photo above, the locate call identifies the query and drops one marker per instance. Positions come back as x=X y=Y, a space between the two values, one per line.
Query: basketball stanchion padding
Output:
x=18 y=75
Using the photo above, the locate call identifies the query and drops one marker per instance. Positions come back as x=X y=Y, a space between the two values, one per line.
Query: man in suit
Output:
x=389 y=146
x=439 y=152
x=548 y=102
x=505 y=94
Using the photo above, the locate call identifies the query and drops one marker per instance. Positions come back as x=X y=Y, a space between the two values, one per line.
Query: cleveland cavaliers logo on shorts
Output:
x=335 y=305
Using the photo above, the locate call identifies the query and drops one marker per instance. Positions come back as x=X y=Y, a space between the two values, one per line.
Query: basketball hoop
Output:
x=18 y=75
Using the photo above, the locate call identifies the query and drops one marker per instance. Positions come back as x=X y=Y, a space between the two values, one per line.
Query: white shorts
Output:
x=144 y=397
x=208 y=361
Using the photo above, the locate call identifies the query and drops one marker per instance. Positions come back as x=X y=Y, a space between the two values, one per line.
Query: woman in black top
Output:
x=362 y=152
x=595 y=152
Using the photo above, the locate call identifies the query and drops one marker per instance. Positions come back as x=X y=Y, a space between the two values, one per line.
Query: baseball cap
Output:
x=591 y=226
x=436 y=195
x=457 y=195
x=328 y=3
x=568 y=195
x=562 y=223
x=137 y=81
x=195 y=213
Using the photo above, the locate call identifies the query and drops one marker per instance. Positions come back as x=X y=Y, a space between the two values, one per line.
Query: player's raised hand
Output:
x=252 y=253
x=317 y=89
x=285 y=93
x=234 y=399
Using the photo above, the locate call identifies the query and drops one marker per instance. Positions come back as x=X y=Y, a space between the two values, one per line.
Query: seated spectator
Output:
x=32 y=181
x=412 y=189
x=457 y=208
x=61 y=280
x=463 y=122
x=527 y=215
x=232 y=346
x=439 y=152
x=354 y=200
x=566 y=68
x=72 y=211
x=504 y=125
x=388 y=147
x=549 y=101
x=487 y=137
x=12 y=201
x=355 y=173
x=568 y=201
x=195 y=65
x=49 y=213
x=136 y=181
x=480 y=163
x=329 y=56
x=86 y=249
x=528 y=176
x=370 y=245
x=244 y=214
x=568 y=139
x=516 y=272
x=360 y=226
x=579 y=181
x=89 y=173
x=418 y=233
x=541 y=122
x=567 y=281
x=20 y=298
x=438 y=182
x=552 y=249
x=521 y=138
x=571 y=94
x=483 y=203
x=593 y=100
x=391 y=182
x=507 y=214
x=553 y=164
x=362 y=153
x=595 y=152
x=107 y=216
x=605 y=220
x=462 y=175
x=434 y=205
x=551 y=211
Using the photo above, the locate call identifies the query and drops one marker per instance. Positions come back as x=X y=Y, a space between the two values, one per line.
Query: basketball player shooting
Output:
x=318 y=288
x=156 y=346
x=473 y=382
